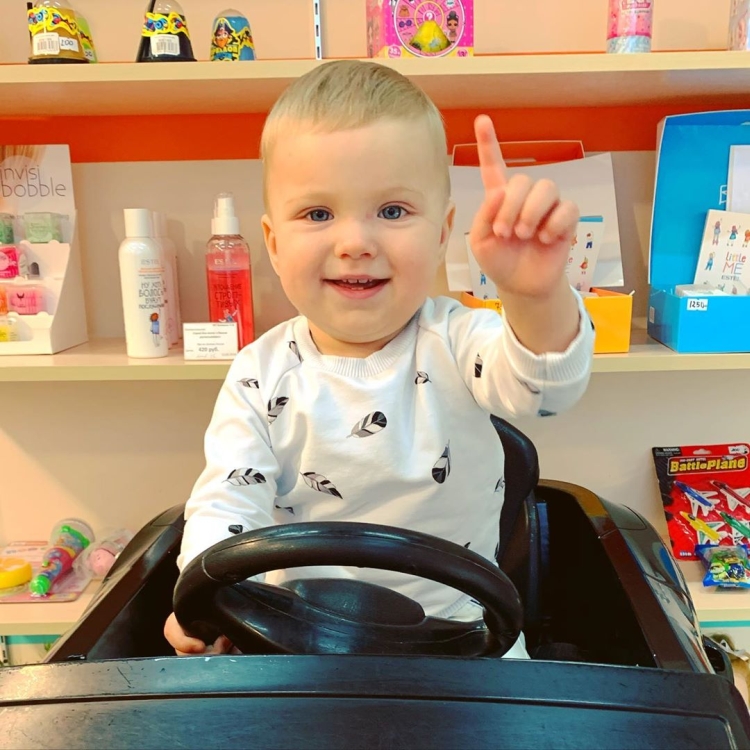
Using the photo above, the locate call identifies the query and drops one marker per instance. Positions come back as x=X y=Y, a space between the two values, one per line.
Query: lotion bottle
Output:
x=142 y=280
x=172 y=298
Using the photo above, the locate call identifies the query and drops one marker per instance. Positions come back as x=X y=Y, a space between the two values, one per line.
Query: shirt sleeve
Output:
x=507 y=379
x=236 y=490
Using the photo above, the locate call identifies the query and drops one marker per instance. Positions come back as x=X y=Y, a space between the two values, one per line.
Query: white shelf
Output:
x=105 y=359
x=496 y=81
x=44 y=618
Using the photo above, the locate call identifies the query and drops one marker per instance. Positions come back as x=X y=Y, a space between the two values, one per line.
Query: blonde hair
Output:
x=348 y=94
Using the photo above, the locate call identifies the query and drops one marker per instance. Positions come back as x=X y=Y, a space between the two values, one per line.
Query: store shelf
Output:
x=497 y=81
x=105 y=359
x=44 y=618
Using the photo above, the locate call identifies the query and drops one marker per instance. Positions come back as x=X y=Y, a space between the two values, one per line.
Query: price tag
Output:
x=210 y=340
x=697 y=304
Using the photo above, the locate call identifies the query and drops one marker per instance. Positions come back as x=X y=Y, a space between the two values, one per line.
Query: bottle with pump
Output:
x=172 y=297
x=230 y=288
x=142 y=279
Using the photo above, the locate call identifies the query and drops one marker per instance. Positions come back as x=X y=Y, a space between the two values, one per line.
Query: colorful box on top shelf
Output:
x=703 y=166
x=611 y=312
x=420 y=28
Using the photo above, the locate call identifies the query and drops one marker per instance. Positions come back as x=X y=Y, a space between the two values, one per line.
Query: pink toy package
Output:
x=420 y=28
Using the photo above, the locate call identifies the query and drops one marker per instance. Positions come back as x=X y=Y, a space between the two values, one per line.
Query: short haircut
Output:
x=348 y=94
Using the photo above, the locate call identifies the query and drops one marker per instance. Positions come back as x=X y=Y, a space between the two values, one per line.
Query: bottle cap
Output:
x=225 y=221
x=40 y=585
x=138 y=223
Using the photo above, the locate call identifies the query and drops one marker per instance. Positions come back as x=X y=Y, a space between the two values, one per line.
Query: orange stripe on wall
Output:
x=204 y=137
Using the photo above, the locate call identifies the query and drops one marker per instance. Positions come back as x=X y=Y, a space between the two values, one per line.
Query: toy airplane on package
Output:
x=705 y=491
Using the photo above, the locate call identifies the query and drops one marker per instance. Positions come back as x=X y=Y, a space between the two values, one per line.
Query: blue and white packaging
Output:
x=692 y=174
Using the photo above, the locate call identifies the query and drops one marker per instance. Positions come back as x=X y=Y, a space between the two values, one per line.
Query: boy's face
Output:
x=357 y=225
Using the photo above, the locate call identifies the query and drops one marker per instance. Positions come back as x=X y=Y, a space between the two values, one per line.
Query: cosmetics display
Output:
x=41 y=286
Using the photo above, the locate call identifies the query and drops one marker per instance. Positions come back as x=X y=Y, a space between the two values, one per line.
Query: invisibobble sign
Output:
x=54 y=34
x=165 y=36
x=232 y=39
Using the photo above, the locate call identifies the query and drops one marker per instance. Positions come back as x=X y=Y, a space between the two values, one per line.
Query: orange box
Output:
x=612 y=313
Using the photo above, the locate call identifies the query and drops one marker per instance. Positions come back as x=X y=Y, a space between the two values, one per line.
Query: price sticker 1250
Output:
x=699 y=304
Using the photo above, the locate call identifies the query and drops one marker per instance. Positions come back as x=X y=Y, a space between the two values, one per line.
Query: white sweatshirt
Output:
x=401 y=438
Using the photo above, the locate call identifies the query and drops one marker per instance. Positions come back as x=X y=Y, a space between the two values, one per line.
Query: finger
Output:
x=182 y=643
x=491 y=162
x=487 y=213
x=516 y=192
x=561 y=223
x=222 y=645
x=542 y=199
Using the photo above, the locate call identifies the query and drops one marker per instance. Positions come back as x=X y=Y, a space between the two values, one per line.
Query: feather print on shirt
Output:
x=295 y=350
x=245 y=477
x=369 y=425
x=319 y=483
x=288 y=508
x=478 y=365
x=442 y=468
x=249 y=383
x=500 y=484
x=422 y=378
x=275 y=407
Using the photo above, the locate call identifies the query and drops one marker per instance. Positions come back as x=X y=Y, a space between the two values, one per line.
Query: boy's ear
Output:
x=270 y=239
x=447 y=228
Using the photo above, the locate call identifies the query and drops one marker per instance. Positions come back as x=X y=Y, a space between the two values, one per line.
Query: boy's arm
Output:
x=508 y=379
x=236 y=490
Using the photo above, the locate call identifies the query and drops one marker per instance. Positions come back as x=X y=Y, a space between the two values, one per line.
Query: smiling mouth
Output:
x=357 y=283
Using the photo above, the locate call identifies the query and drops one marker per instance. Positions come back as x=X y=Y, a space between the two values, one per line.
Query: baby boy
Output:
x=373 y=405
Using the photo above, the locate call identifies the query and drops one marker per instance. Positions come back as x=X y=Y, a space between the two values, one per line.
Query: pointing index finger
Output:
x=491 y=162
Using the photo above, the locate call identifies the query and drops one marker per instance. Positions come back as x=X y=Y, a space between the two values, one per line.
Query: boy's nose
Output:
x=355 y=242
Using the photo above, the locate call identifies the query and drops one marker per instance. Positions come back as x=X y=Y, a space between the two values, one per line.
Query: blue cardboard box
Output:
x=691 y=177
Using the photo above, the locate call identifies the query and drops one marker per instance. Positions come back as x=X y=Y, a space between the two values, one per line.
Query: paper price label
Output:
x=699 y=304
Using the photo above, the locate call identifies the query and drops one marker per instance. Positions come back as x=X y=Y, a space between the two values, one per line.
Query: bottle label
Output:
x=630 y=18
x=54 y=33
x=232 y=39
x=159 y=23
x=165 y=45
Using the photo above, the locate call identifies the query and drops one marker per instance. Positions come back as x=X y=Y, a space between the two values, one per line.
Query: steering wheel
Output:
x=335 y=615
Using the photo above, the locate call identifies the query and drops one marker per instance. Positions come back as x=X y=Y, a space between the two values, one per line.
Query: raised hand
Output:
x=522 y=233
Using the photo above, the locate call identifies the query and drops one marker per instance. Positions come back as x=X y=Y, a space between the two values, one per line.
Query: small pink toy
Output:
x=101 y=556
x=420 y=28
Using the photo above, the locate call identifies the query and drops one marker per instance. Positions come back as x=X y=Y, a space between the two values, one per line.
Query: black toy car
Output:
x=618 y=659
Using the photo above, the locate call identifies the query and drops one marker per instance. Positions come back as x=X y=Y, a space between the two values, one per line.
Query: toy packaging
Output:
x=705 y=491
x=420 y=28
x=722 y=263
x=726 y=567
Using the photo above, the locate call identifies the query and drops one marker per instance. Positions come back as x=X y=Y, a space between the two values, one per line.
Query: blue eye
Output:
x=319 y=214
x=392 y=212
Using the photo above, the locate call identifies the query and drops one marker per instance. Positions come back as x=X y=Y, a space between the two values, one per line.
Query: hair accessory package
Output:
x=40 y=269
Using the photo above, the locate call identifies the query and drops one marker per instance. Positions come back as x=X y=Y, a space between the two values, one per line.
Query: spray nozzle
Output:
x=225 y=221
